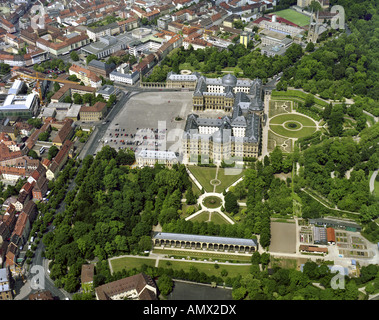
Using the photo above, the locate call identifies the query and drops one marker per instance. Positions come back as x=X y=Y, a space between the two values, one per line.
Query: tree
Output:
x=144 y=243
x=36 y=122
x=309 y=100
x=44 y=136
x=33 y=154
x=231 y=204
x=90 y=57
x=165 y=284
x=52 y=152
x=74 y=56
x=310 y=47
x=276 y=159
x=190 y=197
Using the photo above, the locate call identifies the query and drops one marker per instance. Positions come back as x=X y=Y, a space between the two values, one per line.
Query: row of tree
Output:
x=110 y=212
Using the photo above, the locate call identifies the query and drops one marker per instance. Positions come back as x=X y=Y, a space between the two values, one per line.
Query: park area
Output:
x=292 y=125
x=293 y=16
x=286 y=125
x=213 y=180
x=206 y=216
x=204 y=264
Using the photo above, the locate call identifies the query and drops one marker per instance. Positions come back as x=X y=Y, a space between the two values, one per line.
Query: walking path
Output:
x=372 y=180
x=210 y=194
x=210 y=210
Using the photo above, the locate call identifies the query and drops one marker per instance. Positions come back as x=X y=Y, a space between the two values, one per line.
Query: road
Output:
x=372 y=180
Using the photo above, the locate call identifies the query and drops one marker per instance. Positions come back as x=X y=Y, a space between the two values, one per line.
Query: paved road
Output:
x=372 y=180
x=100 y=129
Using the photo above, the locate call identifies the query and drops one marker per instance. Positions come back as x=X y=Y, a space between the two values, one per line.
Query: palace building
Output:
x=234 y=136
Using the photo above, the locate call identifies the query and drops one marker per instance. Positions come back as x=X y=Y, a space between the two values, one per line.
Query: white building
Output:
x=124 y=75
x=151 y=157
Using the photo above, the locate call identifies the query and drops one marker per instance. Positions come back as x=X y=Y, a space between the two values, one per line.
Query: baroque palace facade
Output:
x=231 y=137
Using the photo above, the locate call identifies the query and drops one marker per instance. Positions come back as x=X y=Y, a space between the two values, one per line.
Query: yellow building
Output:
x=94 y=113
x=245 y=37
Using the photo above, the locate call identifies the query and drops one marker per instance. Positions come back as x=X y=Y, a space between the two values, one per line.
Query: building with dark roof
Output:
x=235 y=135
x=101 y=68
x=137 y=287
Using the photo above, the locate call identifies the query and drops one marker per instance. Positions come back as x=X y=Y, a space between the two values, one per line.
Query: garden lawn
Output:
x=208 y=268
x=303 y=132
x=227 y=176
x=216 y=218
x=305 y=121
x=130 y=263
x=204 y=175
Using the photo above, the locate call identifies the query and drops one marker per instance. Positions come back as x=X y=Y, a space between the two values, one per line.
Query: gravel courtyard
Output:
x=283 y=237
x=151 y=115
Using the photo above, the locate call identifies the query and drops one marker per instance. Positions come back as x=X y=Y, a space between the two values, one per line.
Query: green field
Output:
x=208 y=268
x=204 y=175
x=304 y=132
x=216 y=218
x=294 y=16
x=134 y=262
x=296 y=117
x=130 y=263
x=274 y=140
x=304 y=126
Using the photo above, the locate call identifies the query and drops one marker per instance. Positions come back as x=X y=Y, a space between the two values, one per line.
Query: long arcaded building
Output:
x=191 y=241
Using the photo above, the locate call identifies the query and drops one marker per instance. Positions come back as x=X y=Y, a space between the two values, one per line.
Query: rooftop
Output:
x=201 y=238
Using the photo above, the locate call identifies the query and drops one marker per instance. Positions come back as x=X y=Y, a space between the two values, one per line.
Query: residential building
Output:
x=64 y=133
x=69 y=89
x=88 y=77
x=62 y=44
x=59 y=160
x=108 y=30
x=88 y=272
x=41 y=295
x=5 y=285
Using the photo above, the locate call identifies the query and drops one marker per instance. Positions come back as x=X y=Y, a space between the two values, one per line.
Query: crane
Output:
x=40 y=78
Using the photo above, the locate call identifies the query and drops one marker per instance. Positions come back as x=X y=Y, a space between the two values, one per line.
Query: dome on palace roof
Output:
x=229 y=80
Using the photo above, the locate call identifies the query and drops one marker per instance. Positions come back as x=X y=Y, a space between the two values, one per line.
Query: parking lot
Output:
x=149 y=120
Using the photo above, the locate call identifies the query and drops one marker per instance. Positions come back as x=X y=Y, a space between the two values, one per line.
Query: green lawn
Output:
x=216 y=218
x=200 y=254
x=208 y=268
x=227 y=176
x=275 y=140
x=204 y=175
x=130 y=263
x=290 y=116
x=304 y=132
x=133 y=262
x=293 y=16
